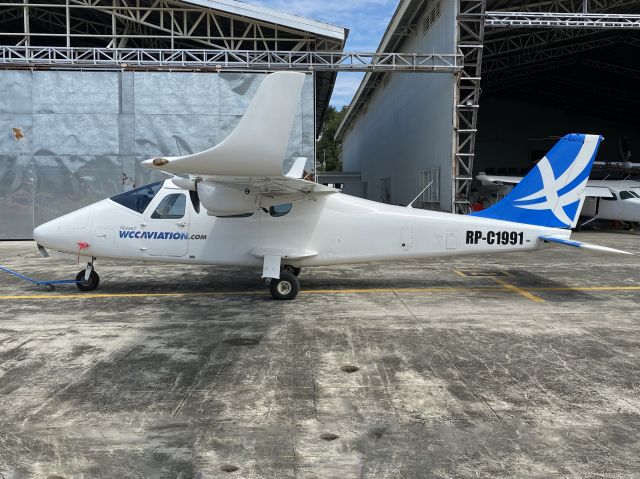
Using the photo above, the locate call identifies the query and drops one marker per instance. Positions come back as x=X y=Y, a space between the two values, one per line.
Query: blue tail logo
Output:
x=552 y=193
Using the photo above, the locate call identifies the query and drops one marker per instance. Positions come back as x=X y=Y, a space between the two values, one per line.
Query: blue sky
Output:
x=366 y=19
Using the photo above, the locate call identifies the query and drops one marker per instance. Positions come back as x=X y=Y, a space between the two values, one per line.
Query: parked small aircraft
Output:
x=232 y=205
x=616 y=200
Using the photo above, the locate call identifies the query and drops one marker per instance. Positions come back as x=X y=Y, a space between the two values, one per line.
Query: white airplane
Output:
x=616 y=200
x=232 y=205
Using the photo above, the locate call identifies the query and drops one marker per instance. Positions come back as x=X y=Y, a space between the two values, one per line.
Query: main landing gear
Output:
x=88 y=279
x=287 y=286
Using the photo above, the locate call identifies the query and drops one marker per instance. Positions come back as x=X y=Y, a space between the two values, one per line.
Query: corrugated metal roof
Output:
x=270 y=15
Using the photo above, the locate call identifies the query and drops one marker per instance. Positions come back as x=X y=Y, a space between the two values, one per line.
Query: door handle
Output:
x=182 y=223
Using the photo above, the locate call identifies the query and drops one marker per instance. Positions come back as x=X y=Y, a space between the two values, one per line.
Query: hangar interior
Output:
x=539 y=84
x=529 y=72
x=91 y=88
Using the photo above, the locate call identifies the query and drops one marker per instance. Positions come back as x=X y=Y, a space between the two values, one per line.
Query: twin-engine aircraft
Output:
x=232 y=205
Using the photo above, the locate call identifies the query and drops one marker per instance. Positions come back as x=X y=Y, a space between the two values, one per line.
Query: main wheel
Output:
x=287 y=287
x=89 y=285
x=292 y=269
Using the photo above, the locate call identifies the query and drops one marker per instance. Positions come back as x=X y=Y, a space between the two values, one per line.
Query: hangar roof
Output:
x=271 y=15
x=219 y=25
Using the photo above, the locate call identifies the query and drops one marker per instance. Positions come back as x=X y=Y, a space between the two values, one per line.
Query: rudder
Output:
x=552 y=193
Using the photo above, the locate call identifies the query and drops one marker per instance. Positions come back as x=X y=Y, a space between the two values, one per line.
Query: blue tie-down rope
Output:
x=48 y=284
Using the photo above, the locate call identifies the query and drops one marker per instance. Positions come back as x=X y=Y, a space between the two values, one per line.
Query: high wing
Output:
x=245 y=170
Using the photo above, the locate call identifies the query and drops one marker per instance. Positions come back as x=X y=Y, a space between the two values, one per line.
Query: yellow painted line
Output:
x=235 y=293
x=502 y=288
x=520 y=291
x=468 y=273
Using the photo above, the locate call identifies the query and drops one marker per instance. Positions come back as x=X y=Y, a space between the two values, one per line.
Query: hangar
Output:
x=532 y=72
x=88 y=89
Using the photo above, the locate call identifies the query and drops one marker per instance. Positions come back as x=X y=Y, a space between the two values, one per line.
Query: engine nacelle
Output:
x=184 y=183
x=222 y=201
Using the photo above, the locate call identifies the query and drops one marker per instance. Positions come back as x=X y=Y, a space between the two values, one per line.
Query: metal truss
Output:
x=562 y=20
x=154 y=59
x=540 y=55
x=540 y=38
x=152 y=23
x=507 y=78
x=567 y=6
x=467 y=97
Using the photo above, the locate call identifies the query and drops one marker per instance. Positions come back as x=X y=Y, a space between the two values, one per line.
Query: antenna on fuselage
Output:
x=410 y=205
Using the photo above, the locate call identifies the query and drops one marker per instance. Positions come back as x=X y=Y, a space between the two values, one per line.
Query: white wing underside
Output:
x=273 y=186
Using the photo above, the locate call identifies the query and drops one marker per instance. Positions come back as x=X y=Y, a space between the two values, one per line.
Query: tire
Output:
x=285 y=288
x=292 y=269
x=89 y=285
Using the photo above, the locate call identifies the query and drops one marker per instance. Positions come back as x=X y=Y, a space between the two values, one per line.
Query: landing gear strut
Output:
x=292 y=269
x=88 y=279
x=286 y=287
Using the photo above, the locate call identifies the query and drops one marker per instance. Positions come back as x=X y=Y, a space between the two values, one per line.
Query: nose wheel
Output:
x=87 y=279
x=286 y=287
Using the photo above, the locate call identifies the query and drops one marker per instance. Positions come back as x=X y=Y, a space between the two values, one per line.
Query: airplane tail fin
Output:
x=553 y=192
x=257 y=145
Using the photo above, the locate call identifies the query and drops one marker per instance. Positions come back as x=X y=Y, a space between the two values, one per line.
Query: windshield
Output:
x=138 y=199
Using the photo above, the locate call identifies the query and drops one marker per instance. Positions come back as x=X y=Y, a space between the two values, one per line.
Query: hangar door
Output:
x=71 y=138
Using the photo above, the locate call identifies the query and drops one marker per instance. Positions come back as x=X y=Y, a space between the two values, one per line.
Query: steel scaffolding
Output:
x=190 y=59
x=467 y=97
x=562 y=20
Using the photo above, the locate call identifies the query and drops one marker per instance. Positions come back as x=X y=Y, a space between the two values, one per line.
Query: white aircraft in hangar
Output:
x=616 y=200
x=232 y=205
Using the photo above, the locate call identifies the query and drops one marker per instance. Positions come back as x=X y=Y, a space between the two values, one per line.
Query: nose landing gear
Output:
x=88 y=279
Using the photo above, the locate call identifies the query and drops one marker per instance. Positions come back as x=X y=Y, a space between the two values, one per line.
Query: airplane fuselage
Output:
x=326 y=230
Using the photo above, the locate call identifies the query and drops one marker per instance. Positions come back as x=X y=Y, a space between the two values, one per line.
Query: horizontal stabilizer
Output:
x=580 y=244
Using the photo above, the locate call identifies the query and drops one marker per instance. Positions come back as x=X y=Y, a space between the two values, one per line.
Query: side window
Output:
x=625 y=195
x=280 y=210
x=171 y=207
x=612 y=198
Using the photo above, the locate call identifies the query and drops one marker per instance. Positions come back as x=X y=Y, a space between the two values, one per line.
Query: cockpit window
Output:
x=280 y=210
x=138 y=199
x=613 y=197
x=171 y=207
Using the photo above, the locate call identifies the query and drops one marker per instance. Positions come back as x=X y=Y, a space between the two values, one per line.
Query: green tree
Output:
x=327 y=149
